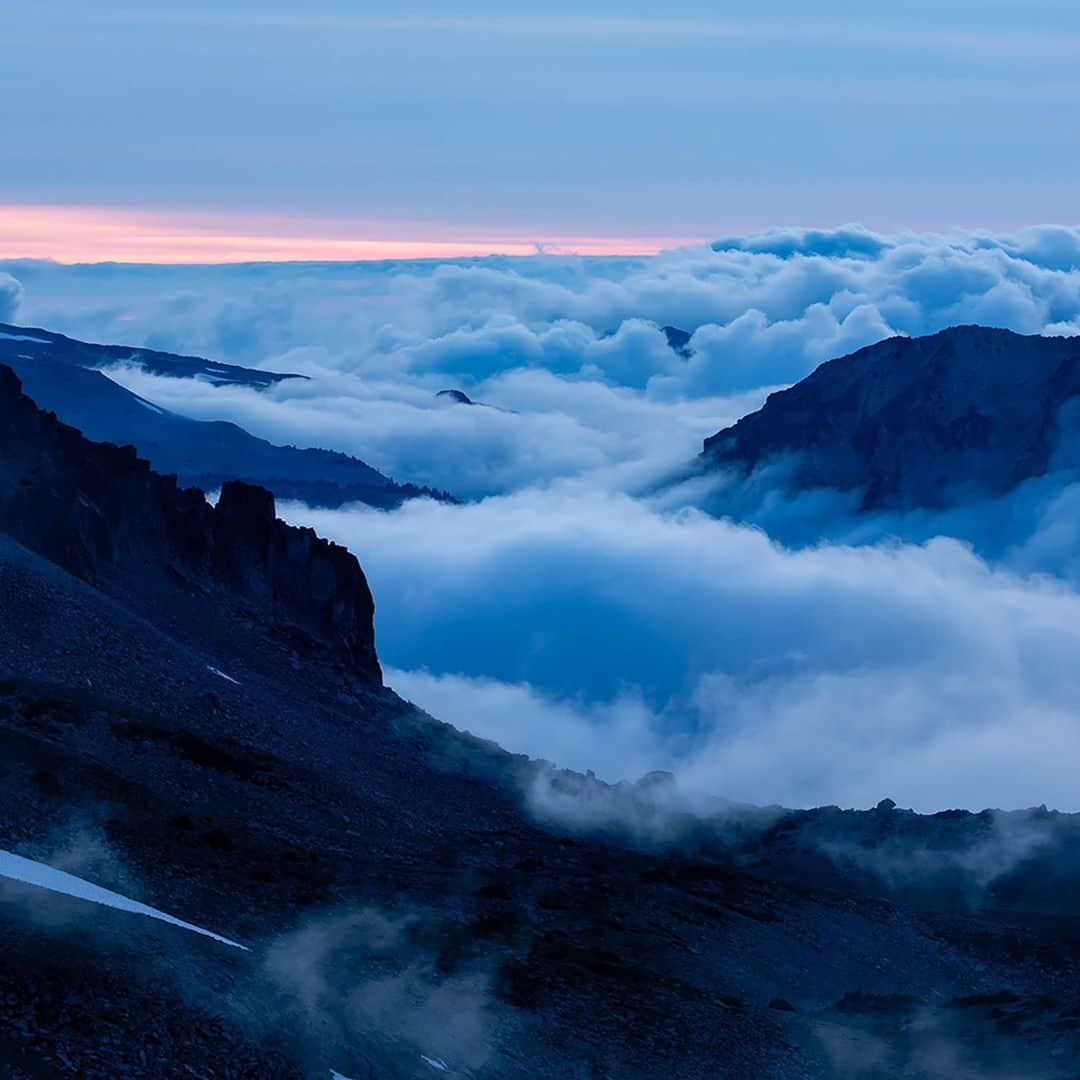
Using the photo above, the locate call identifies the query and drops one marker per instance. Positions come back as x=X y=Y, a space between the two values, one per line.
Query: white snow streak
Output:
x=29 y=872
x=222 y=675
x=149 y=405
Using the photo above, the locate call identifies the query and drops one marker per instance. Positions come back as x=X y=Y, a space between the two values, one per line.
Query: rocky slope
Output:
x=918 y=422
x=190 y=715
x=100 y=512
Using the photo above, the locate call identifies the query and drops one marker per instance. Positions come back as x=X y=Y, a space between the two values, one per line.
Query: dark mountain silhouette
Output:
x=678 y=340
x=192 y=715
x=203 y=454
x=459 y=397
x=919 y=422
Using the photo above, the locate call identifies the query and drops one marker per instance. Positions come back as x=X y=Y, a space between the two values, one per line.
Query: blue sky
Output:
x=543 y=121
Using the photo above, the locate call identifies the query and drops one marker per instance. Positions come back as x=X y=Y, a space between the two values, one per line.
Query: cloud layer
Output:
x=571 y=612
x=571 y=345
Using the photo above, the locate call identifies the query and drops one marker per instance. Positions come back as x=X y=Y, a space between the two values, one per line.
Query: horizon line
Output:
x=87 y=235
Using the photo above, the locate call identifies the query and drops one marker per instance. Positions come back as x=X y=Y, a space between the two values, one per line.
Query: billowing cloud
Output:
x=851 y=241
x=599 y=633
x=807 y=655
x=571 y=345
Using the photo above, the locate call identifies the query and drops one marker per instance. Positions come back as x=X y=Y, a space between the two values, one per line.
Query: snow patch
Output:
x=29 y=872
x=221 y=675
x=435 y=1063
x=149 y=405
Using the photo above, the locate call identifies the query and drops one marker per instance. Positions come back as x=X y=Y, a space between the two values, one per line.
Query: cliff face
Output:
x=919 y=422
x=99 y=511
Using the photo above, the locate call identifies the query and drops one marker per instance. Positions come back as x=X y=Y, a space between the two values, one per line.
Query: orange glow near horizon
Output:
x=87 y=234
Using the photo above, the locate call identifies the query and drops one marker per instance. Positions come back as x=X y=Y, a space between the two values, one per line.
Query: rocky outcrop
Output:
x=678 y=340
x=919 y=422
x=458 y=397
x=99 y=511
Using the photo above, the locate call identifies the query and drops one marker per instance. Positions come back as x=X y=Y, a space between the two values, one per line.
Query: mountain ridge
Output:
x=33 y=341
x=202 y=453
x=918 y=422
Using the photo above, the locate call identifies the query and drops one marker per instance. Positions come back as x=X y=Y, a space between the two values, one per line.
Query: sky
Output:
x=259 y=129
x=400 y=198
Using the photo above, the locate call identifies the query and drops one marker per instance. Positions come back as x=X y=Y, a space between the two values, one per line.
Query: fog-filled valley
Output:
x=591 y=597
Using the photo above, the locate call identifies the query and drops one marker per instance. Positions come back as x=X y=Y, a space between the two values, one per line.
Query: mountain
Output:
x=458 y=397
x=100 y=512
x=31 y=343
x=678 y=340
x=918 y=422
x=228 y=850
x=203 y=454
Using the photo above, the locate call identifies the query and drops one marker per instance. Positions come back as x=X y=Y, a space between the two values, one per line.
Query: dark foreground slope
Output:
x=62 y=375
x=180 y=723
x=919 y=422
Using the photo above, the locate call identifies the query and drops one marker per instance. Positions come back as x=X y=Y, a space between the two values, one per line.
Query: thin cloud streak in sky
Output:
x=74 y=234
x=870 y=34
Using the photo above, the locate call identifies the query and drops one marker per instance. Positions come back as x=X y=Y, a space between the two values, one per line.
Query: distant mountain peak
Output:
x=678 y=340
x=458 y=396
x=918 y=422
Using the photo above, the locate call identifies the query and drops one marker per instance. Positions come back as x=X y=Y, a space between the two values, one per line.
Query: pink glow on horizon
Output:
x=78 y=234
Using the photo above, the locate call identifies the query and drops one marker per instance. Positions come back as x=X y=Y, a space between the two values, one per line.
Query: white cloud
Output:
x=595 y=632
x=11 y=294
x=561 y=615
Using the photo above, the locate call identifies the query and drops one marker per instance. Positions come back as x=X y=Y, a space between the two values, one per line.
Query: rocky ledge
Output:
x=99 y=511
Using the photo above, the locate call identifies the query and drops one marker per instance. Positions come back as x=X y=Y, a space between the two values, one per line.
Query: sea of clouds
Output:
x=572 y=606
